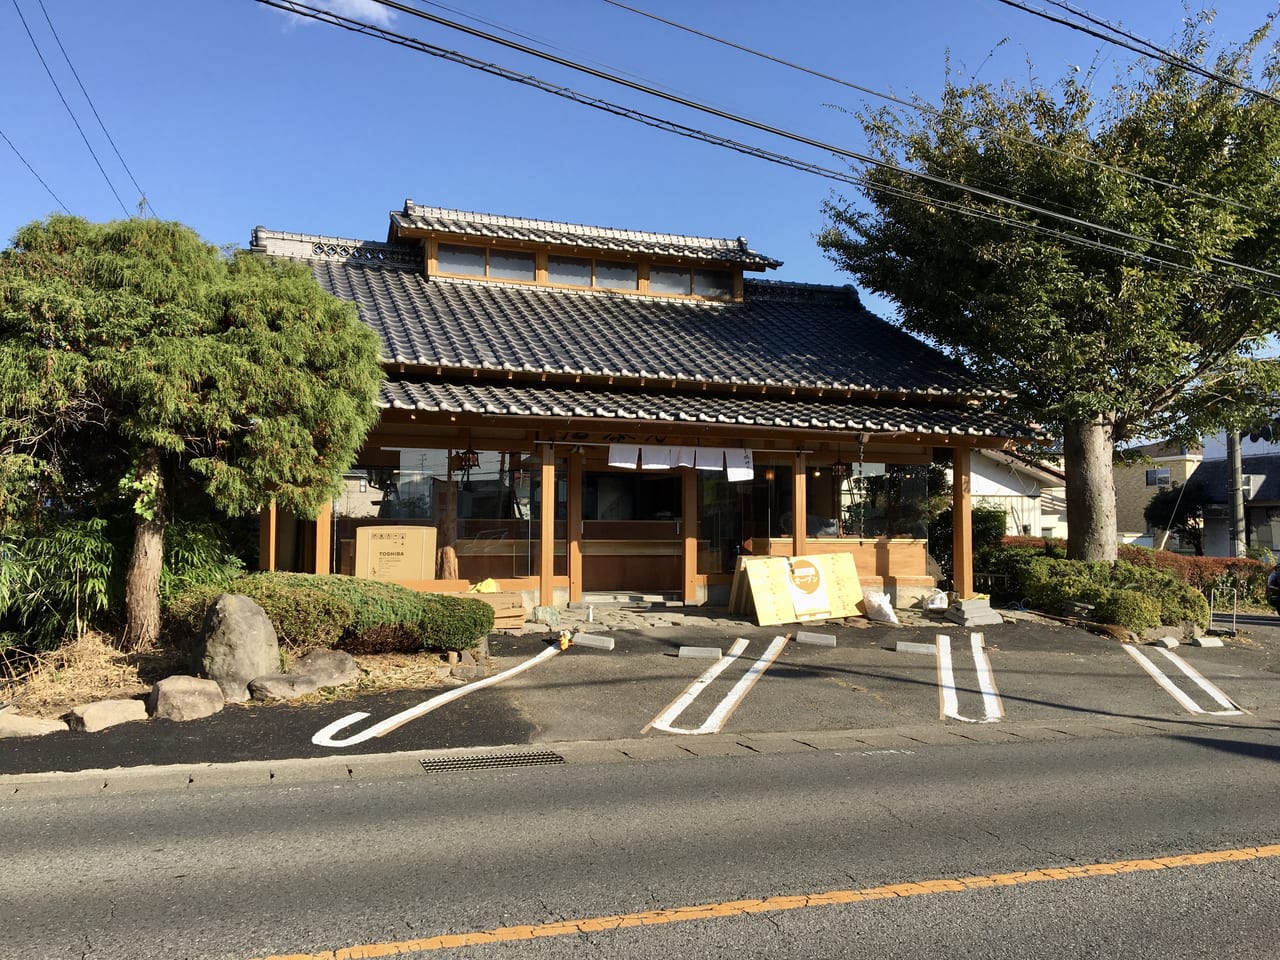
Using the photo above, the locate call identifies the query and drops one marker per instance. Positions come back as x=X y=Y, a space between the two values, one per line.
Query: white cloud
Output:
x=366 y=10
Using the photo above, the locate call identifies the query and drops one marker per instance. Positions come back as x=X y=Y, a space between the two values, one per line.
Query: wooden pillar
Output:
x=267 y=520
x=689 y=532
x=547 y=544
x=573 y=527
x=799 y=504
x=324 y=540
x=962 y=524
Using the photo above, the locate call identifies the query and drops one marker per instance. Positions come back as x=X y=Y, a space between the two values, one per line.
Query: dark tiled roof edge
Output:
x=494 y=226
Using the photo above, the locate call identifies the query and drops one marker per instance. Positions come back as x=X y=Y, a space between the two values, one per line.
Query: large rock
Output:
x=238 y=643
x=92 y=717
x=313 y=671
x=184 y=698
x=16 y=725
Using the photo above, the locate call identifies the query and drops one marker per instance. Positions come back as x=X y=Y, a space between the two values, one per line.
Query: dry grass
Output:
x=89 y=669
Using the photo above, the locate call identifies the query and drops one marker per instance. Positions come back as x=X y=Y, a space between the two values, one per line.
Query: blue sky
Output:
x=229 y=113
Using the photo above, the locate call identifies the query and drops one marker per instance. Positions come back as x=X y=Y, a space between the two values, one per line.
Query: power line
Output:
x=930 y=110
x=808 y=141
x=47 y=188
x=70 y=113
x=1153 y=51
x=372 y=30
x=141 y=193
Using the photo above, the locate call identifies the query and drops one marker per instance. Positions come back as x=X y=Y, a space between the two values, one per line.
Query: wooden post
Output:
x=324 y=539
x=689 y=531
x=267 y=537
x=573 y=527
x=799 y=504
x=547 y=545
x=961 y=524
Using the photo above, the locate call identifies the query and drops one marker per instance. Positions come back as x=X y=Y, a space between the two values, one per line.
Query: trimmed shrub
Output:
x=345 y=613
x=1131 y=609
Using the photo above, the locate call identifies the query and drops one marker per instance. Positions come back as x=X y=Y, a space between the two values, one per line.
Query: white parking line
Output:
x=325 y=737
x=992 y=707
x=1174 y=691
x=732 y=699
x=1230 y=708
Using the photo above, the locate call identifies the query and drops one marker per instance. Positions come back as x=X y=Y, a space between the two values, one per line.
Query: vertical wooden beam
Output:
x=689 y=532
x=799 y=504
x=547 y=544
x=962 y=523
x=573 y=527
x=324 y=539
x=267 y=537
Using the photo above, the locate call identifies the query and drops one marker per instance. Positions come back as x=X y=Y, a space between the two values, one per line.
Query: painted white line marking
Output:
x=992 y=707
x=1170 y=688
x=325 y=737
x=724 y=709
x=1229 y=707
x=678 y=705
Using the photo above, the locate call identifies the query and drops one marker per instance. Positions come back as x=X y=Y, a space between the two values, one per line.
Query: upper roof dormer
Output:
x=573 y=256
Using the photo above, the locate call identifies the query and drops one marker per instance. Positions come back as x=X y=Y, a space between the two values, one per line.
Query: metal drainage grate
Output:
x=491 y=760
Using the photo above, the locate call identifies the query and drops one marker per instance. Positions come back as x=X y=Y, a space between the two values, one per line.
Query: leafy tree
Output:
x=1180 y=509
x=1159 y=338
x=137 y=361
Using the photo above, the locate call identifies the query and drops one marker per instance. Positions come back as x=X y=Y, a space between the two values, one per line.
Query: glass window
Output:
x=617 y=276
x=454 y=258
x=668 y=280
x=512 y=265
x=569 y=270
x=886 y=501
x=712 y=283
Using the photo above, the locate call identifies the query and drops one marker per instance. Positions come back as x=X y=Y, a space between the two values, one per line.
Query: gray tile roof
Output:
x=1213 y=477
x=677 y=408
x=492 y=227
x=786 y=335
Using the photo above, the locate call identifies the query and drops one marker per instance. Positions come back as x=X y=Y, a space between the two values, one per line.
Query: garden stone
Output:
x=16 y=725
x=313 y=671
x=184 y=698
x=92 y=717
x=238 y=644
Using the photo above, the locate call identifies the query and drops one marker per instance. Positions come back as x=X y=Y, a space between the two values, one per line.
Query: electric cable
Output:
x=930 y=110
x=70 y=112
x=378 y=32
x=804 y=140
x=1155 y=52
x=39 y=178
x=141 y=193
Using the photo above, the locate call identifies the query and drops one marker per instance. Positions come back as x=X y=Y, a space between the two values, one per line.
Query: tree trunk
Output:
x=142 y=582
x=1087 y=452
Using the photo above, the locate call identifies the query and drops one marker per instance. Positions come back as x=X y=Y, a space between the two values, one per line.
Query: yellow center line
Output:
x=737 y=908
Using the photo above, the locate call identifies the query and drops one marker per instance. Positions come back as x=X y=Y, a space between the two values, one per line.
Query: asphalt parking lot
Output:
x=1024 y=674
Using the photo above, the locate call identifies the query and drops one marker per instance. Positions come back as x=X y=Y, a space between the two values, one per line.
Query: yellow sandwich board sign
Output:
x=796 y=589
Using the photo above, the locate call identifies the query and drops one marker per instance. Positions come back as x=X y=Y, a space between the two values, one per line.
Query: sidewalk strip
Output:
x=1229 y=707
x=777 y=904
x=325 y=737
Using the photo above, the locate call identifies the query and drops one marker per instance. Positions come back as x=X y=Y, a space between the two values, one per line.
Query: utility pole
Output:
x=1235 y=495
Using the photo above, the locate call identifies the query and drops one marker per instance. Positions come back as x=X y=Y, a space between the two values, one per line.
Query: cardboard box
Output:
x=396 y=552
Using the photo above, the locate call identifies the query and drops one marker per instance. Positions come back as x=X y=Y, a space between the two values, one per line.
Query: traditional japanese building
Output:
x=572 y=409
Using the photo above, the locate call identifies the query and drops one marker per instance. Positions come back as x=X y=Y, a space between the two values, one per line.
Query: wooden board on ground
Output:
x=798 y=589
x=508 y=609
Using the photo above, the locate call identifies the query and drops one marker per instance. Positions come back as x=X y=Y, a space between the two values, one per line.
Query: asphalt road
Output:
x=933 y=850
x=1029 y=679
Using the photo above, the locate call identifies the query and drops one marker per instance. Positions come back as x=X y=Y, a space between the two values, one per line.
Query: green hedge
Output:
x=1126 y=594
x=343 y=613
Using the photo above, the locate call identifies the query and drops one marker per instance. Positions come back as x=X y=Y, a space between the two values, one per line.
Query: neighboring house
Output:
x=1260 y=480
x=1032 y=495
x=571 y=409
x=1142 y=472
